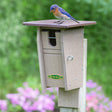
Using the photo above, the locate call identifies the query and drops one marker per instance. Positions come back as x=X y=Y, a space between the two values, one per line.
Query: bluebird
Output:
x=61 y=14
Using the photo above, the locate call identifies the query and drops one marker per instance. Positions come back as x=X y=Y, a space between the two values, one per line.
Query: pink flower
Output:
x=3 y=105
x=25 y=84
x=50 y=89
x=110 y=105
x=14 y=98
x=30 y=99
x=57 y=89
x=26 y=106
x=28 y=92
x=45 y=103
x=91 y=84
x=92 y=102
x=52 y=97
x=99 y=88
x=96 y=101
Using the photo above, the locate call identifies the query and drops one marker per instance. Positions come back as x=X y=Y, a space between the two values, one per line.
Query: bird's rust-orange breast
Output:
x=57 y=12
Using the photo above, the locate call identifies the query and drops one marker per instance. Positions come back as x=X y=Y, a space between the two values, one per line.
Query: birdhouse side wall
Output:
x=41 y=59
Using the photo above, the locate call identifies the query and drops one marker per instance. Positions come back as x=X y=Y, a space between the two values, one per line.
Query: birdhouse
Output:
x=60 y=52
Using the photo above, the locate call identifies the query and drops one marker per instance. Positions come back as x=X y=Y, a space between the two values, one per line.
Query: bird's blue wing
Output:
x=65 y=13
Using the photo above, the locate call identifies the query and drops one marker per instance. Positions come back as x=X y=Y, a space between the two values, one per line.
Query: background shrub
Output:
x=18 y=52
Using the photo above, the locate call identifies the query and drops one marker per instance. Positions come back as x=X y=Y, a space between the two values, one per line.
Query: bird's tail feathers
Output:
x=75 y=20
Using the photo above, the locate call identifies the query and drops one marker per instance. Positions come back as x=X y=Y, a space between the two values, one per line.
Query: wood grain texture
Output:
x=66 y=24
x=72 y=45
x=66 y=110
x=68 y=98
x=41 y=61
x=75 y=110
x=82 y=92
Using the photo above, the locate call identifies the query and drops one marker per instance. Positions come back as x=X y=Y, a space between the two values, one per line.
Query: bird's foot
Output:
x=56 y=21
x=59 y=22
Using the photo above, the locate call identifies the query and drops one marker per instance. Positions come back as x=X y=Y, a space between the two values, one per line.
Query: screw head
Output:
x=70 y=58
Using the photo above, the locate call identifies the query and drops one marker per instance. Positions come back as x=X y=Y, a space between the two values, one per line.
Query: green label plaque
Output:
x=55 y=76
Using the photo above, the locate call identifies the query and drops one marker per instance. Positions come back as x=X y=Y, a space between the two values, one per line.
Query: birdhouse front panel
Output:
x=52 y=55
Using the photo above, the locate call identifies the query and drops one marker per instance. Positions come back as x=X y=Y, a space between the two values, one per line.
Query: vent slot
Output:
x=52 y=38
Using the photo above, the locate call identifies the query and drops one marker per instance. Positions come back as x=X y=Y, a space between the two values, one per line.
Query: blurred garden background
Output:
x=18 y=50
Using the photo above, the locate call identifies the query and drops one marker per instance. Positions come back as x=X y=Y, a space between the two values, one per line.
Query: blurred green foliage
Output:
x=18 y=52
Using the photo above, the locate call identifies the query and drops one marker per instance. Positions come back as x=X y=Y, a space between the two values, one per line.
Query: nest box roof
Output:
x=65 y=24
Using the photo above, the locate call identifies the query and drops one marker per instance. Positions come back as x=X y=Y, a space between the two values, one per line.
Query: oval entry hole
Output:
x=52 y=38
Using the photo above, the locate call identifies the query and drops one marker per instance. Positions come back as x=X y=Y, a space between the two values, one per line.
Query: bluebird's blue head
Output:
x=53 y=7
